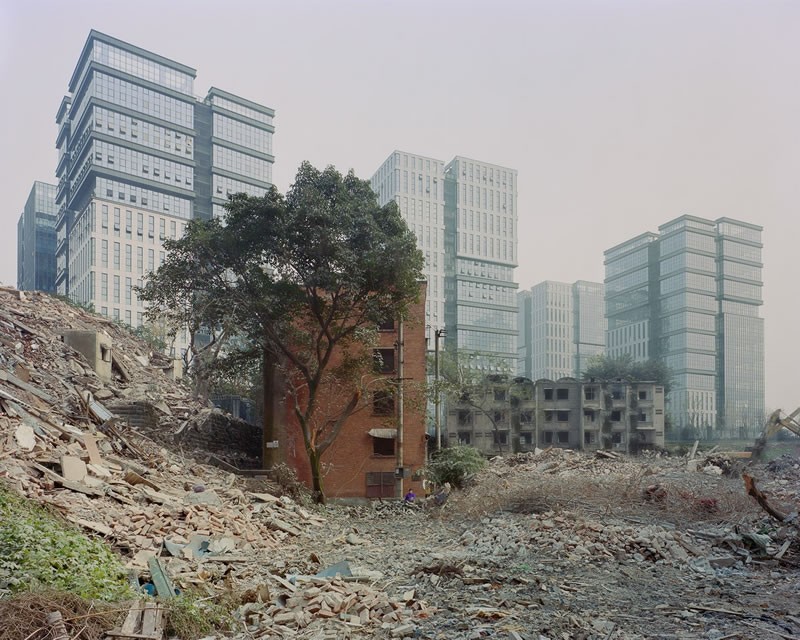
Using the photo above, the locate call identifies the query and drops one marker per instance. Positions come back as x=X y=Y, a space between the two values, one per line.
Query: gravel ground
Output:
x=574 y=566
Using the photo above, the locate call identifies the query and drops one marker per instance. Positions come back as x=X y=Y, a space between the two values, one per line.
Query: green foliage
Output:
x=455 y=465
x=39 y=550
x=607 y=368
x=146 y=333
x=191 y=616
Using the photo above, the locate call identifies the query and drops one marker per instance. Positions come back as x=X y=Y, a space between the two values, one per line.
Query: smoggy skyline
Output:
x=618 y=115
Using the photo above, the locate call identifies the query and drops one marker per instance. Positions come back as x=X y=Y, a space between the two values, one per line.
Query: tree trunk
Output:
x=269 y=454
x=316 y=475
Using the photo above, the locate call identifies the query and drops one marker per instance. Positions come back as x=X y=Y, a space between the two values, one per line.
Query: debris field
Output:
x=546 y=545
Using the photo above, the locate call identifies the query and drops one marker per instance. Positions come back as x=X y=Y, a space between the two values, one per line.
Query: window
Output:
x=617 y=437
x=383 y=360
x=526 y=417
x=589 y=393
x=562 y=416
x=380 y=484
x=588 y=416
x=588 y=437
x=642 y=395
x=386 y=325
x=616 y=416
x=383 y=403
x=563 y=437
x=548 y=394
x=548 y=416
x=562 y=394
x=499 y=417
x=499 y=395
x=526 y=437
x=382 y=446
x=501 y=437
x=464 y=417
x=547 y=437
x=464 y=437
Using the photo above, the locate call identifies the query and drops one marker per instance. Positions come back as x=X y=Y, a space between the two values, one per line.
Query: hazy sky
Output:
x=618 y=115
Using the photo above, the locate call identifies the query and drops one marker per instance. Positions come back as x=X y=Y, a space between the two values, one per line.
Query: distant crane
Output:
x=775 y=424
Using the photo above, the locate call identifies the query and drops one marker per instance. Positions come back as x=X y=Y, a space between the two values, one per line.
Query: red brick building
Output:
x=361 y=462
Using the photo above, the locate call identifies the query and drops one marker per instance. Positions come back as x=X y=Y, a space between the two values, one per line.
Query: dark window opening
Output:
x=618 y=437
x=526 y=437
x=501 y=437
x=562 y=394
x=616 y=416
x=383 y=403
x=588 y=437
x=383 y=446
x=499 y=416
x=526 y=417
x=643 y=395
x=383 y=360
x=563 y=437
x=386 y=325
x=464 y=417
x=548 y=416
x=548 y=394
x=548 y=437
x=562 y=416
x=499 y=395
x=464 y=437
x=589 y=393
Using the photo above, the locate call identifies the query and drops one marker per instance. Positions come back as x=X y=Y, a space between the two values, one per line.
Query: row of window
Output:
x=143 y=132
x=141 y=67
x=144 y=198
x=138 y=98
x=242 y=134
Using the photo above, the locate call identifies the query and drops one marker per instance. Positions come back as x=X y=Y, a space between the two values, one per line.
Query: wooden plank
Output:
x=151 y=620
x=92 y=526
x=10 y=377
x=90 y=443
x=132 y=620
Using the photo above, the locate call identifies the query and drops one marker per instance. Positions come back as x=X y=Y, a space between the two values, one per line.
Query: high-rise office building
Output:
x=561 y=327
x=689 y=296
x=36 y=240
x=464 y=214
x=139 y=156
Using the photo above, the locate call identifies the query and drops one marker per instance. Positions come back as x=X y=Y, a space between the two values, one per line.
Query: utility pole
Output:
x=438 y=333
x=399 y=439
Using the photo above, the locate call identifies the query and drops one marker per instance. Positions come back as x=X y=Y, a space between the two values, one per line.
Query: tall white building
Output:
x=464 y=215
x=561 y=327
x=139 y=156
x=416 y=183
x=689 y=296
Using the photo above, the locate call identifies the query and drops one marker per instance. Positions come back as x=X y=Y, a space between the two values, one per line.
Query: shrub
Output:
x=455 y=465
x=39 y=550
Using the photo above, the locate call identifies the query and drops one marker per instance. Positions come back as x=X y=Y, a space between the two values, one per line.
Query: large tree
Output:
x=301 y=283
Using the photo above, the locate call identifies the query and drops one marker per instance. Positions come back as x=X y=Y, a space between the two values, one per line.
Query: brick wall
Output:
x=350 y=458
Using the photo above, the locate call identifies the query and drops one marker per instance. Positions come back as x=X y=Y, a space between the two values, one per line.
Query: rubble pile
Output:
x=543 y=545
x=60 y=445
x=348 y=604
x=579 y=539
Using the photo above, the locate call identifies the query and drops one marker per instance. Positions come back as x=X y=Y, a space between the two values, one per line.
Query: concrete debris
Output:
x=545 y=545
